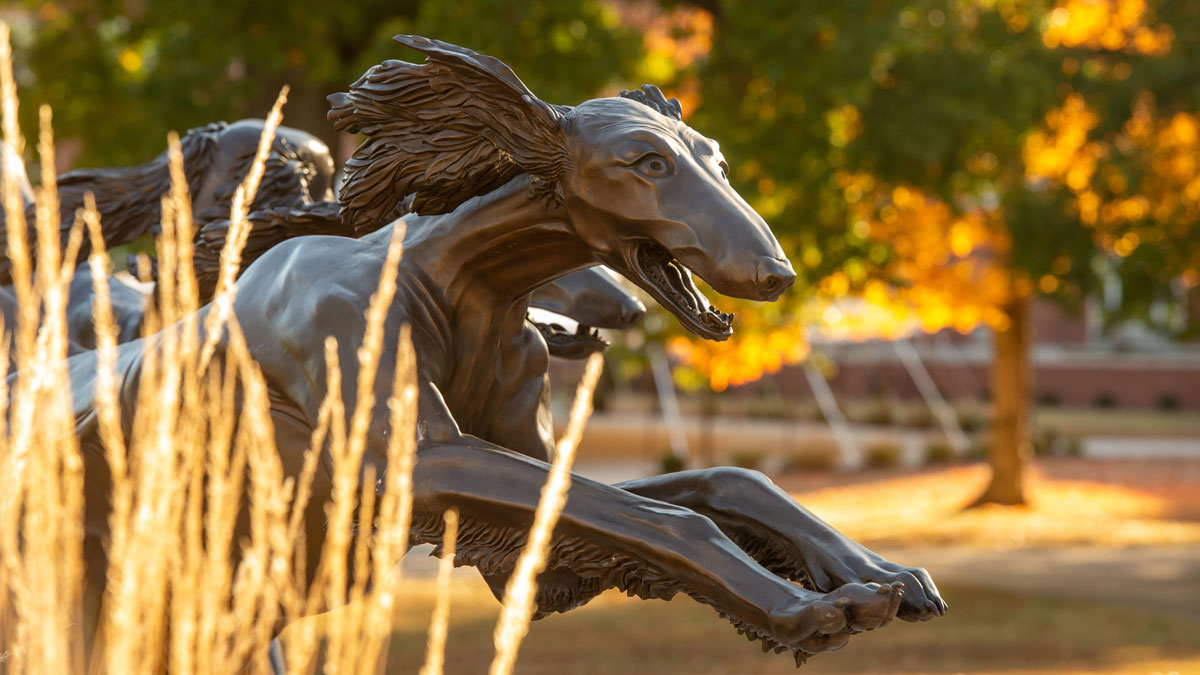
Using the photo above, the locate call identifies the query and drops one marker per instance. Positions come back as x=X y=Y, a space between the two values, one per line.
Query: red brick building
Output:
x=1074 y=365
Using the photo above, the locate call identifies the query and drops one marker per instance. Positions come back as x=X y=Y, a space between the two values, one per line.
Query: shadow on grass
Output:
x=985 y=631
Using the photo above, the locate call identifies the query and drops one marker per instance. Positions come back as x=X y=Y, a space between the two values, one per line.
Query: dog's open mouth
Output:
x=671 y=285
x=561 y=342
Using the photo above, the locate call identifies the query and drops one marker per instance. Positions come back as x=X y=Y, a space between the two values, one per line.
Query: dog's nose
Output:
x=775 y=275
x=632 y=313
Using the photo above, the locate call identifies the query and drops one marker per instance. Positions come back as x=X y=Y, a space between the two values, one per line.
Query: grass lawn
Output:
x=1071 y=502
x=986 y=631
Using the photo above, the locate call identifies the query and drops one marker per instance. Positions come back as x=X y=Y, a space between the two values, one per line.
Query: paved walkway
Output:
x=1106 y=447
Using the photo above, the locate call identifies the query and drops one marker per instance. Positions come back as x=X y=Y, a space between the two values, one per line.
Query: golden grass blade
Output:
x=256 y=604
x=14 y=206
x=42 y=511
x=191 y=441
x=243 y=198
x=343 y=648
x=190 y=456
x=372 y=344
x=19 y=438
x=239 y=231
x=8 y=527
x=188 y=296
x=59 y=495
x=107 y=407
x=302 y=641
x=519 y=595
x=395 y=513
x=17 y=241
x=14 y=212
x=164 y=470
x=435 y=649
x=47 y=251
x=177 y=298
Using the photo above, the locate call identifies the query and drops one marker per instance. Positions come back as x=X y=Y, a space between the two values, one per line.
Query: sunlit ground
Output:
x=1076 y=505
x=1132 y=503
x=987 y=631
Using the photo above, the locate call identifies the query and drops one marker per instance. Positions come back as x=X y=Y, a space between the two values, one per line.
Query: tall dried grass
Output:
x=439 y=622
x=522 y=587
x=180 y=593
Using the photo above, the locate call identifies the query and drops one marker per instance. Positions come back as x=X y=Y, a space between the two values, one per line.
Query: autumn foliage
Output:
x=949 y=249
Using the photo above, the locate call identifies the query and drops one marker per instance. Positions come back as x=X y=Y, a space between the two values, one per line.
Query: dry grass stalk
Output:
x=12 y=446
x=41 y=553
x=239 y=231
x=14 y=207
x=351 y=648
x=14 y=212
x=189 y=452
x=520 y=593
x=435 y=650
x=45 y=577
x=181 y=432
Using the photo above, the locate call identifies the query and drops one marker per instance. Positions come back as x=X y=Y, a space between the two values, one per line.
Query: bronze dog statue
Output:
x=513 y=193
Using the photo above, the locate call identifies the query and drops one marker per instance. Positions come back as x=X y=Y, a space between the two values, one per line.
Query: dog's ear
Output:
x=652 y=97
x=458 y=125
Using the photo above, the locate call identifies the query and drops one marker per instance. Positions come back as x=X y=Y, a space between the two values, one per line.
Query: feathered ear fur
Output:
x=459 y=125
x=652 y=97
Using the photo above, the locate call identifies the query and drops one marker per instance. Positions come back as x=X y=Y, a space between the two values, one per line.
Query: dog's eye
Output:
x=724 y=170
x=654 y=166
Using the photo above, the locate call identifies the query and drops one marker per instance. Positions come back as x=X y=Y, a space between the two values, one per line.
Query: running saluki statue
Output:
x=293 y=200
x=298 y=171
x=509 y=193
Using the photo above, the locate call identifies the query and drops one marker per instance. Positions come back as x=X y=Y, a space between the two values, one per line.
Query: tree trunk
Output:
x=1011 y=385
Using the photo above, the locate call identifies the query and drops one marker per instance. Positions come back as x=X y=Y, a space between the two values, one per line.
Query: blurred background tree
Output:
x=946 y=161
x=928 y=164
x=121 y=74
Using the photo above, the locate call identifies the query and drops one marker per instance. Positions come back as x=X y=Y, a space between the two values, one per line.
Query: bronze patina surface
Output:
x=299 y=170
x=295 y=198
